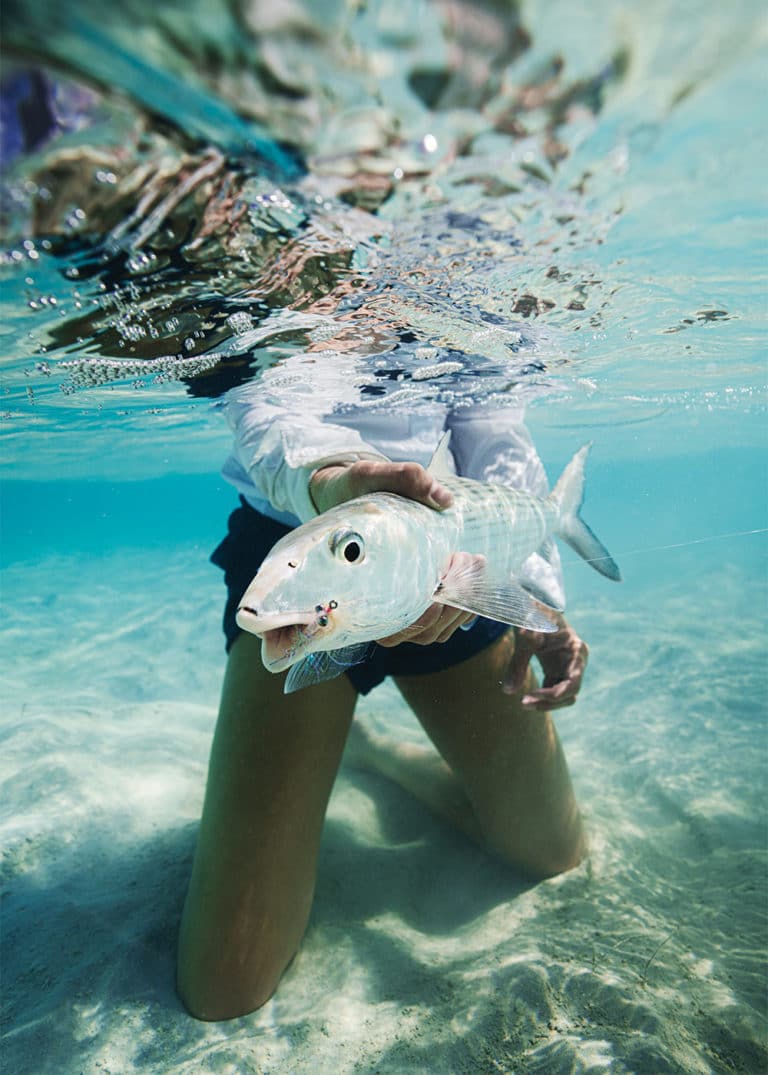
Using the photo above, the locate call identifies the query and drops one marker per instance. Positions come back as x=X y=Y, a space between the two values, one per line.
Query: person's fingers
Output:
x=337 y=483
x=414 y=630
x=410 y=480
x=525 y=647
x=564 y=666
x=543 y=701
x=453 y=624
x=437 y=624
x=555 y=696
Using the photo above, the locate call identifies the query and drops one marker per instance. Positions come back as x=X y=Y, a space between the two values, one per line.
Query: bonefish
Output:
x=371 y=566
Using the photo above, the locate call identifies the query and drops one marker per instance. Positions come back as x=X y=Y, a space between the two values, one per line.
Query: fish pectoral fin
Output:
x=320 y=667
x=468 y=585
x=541 y=577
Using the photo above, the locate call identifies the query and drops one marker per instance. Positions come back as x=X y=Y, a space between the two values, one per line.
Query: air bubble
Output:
x=74 y=219
x=141 y=262
x=131 y=331
x=240 y=322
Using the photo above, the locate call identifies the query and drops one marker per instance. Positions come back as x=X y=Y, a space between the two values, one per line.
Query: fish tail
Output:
x=568 y=495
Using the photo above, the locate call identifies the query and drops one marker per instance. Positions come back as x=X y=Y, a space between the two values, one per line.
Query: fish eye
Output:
x=348 y=546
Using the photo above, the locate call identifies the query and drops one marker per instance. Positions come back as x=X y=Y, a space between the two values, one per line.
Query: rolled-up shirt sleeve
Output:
x=279 y=450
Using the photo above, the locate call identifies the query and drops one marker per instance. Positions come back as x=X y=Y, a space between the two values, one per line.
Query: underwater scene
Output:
x=349 y=223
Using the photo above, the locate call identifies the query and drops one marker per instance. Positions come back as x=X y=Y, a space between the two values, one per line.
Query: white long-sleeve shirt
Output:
x=285 y=429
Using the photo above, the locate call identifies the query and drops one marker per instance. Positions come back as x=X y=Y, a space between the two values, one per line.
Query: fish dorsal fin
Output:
x=468 y=585
x=440 y=463
x=320 y=667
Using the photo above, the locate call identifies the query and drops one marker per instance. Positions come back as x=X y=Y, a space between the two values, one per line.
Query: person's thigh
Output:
x=273 y=763
x=508 y=759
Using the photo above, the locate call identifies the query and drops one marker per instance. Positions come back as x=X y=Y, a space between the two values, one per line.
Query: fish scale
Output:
x=499 y=523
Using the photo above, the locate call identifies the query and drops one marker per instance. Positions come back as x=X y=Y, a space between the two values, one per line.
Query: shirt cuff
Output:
x=299 y=478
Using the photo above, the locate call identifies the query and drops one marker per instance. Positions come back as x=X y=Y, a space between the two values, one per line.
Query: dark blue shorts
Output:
x=251 y=536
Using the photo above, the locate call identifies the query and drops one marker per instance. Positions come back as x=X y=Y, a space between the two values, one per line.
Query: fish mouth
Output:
x=284 y=636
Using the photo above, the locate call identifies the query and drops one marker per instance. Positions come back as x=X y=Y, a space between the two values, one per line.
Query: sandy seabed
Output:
x=423 y=954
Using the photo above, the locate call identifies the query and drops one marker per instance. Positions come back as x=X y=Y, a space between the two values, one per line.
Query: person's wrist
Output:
x=321 y=484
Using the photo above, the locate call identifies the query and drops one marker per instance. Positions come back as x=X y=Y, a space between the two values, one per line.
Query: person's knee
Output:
x=222 y=976
x=213 y=1008
x=214 y=997
x=540 y=859
x=542 y=867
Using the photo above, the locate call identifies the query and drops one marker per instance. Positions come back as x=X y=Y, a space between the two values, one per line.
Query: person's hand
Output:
x=439 y=621
x=563 y=657
x=334 y=485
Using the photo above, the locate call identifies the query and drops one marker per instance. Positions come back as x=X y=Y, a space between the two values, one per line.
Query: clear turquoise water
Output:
x=653 y=348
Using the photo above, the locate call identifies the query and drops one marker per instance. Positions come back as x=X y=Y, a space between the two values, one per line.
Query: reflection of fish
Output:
x=368 y=568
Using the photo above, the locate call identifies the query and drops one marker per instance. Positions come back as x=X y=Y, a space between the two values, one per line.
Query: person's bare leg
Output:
x=418 y=769
x=504 y=779
x=273 y=763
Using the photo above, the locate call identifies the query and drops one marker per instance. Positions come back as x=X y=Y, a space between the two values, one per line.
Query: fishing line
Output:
x=678 y=544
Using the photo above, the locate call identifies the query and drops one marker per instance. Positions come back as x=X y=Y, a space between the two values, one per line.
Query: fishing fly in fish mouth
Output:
x=386 y=559
x=289 y=631
x=284 y=644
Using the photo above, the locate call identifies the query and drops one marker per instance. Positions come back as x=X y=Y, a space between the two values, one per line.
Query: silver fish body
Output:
x=370 y=567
